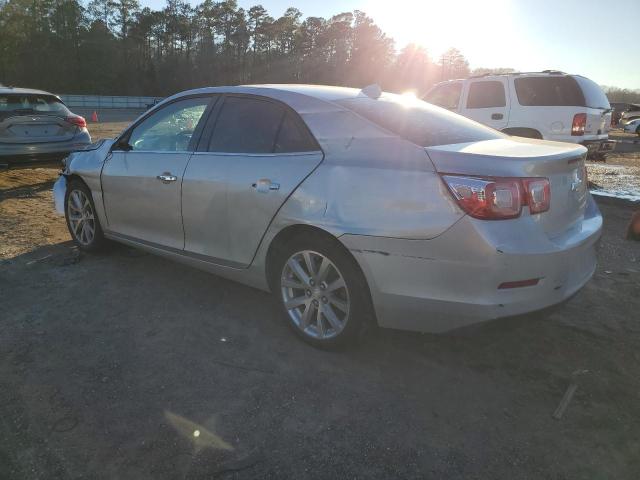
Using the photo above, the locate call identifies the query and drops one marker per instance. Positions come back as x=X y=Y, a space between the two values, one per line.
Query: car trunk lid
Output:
x=36 y=128
x=561 y=163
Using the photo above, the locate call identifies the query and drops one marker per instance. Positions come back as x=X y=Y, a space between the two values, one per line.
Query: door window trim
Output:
x=214 y=115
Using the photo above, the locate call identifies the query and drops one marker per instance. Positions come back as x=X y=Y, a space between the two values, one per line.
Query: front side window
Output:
x=246 y=125
x=446 y=96
x=488 y=94
x=170 y=129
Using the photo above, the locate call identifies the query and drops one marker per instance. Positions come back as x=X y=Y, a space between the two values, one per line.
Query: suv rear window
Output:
x=549 y=91
x=419 y=122
x=15 y=104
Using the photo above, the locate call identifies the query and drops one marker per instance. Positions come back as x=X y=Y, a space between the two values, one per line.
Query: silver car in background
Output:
x=347 y=204
x=37 y=129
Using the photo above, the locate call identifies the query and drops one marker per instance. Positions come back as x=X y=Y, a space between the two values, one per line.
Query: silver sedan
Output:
x=349 y=205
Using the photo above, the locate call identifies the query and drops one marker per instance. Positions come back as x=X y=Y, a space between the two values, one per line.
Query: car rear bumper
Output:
x=40 y=154
x=599 y=146
x=452 y=281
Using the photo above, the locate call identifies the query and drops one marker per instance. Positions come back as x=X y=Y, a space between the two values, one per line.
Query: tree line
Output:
x=115 y=47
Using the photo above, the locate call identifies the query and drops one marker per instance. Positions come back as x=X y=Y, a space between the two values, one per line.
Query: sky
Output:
x=586 y=37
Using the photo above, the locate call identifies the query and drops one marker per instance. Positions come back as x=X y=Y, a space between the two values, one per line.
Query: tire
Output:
x=82 y=221
x=315 y=305
x=638 y=131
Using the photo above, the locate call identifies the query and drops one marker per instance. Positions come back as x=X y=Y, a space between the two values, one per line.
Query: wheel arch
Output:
x=526 y=132
x=74 y=176
x=287 y=234
x=292 y=231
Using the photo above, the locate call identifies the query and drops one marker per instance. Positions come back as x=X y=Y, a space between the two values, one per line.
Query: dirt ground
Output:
x=124 y=365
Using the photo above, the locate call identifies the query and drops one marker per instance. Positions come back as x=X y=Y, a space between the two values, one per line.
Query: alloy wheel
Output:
x=81 y=217
x=315 y=294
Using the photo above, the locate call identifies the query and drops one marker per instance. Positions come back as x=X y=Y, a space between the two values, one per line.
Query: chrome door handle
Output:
x=264 y=185
x=166 y=177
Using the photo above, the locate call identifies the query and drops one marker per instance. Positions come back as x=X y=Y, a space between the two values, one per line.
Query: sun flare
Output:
x=475 y=27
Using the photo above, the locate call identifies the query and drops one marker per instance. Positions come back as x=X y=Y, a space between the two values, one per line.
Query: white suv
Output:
x=550 y=105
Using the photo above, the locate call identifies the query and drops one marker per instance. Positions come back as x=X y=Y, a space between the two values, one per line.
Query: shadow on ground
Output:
x=125 y=365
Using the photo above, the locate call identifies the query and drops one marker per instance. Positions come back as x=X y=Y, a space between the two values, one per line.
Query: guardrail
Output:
x=105 y=101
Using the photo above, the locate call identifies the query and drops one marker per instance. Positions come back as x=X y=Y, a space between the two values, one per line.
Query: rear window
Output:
x=549 y=92
x=593 y=95
x=419 y=122
x=13 y=103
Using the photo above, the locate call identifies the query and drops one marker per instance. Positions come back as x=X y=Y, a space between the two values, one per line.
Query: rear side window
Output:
x=446 y=96
x=549 y=92
x=246 y=125
x=293 y=136
x=420 y=122
x=489 y=94
x=28 y=104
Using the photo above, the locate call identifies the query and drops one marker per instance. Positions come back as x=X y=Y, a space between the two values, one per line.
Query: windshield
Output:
x=419 y=122
x=28 y=104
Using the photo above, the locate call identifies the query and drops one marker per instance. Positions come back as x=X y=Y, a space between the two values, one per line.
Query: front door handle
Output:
x=264 y=185
x=166 y=177
x=497 y=116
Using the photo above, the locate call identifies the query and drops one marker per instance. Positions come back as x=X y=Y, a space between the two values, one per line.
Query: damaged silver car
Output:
x=347 y=204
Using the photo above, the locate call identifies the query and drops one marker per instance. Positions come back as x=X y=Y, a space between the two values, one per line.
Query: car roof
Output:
x=27 y=91
x=282 y=91
x=322 y=92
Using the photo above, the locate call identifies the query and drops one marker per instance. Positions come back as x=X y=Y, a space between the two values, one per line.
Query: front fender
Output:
x=59 y=190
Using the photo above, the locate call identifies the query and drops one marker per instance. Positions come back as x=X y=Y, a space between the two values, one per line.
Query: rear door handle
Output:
x=264 y=185
x=497 y=116
x=166 y=177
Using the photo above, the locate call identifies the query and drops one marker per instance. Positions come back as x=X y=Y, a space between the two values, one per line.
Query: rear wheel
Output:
x=82 y=221
x=321 y=290
x=638 y=130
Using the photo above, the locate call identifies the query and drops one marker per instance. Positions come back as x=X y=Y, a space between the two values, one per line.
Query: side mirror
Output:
x=121 y=145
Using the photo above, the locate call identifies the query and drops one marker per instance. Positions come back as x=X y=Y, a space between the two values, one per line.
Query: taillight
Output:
x=579 y=124
x=77 y=120
x=538 y=195
x=499 y=198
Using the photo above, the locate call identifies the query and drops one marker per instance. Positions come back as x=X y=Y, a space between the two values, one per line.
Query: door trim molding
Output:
x=119 y=237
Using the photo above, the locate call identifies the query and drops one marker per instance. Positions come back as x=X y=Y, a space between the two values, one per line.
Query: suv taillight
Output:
x=499 y=198
x=77 y=120
x=578 y=125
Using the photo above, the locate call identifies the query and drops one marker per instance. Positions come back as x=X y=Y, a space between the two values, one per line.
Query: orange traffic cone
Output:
x=94 y=117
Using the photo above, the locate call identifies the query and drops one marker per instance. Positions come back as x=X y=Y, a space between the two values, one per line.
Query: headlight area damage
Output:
x=85 y=162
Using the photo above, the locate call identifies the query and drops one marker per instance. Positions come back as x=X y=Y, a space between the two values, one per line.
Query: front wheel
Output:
x=82 y=221
x=638 y=130
x=322 y=291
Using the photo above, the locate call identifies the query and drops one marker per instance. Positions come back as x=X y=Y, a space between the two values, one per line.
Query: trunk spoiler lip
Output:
x=505 y=158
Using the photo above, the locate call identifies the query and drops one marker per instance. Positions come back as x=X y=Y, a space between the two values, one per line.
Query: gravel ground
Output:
x=127 y=366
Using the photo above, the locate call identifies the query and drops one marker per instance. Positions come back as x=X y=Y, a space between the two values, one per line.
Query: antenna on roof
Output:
x=372 y=91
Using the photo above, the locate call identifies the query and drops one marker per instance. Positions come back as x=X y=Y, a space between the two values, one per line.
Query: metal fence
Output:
x=104 y=101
